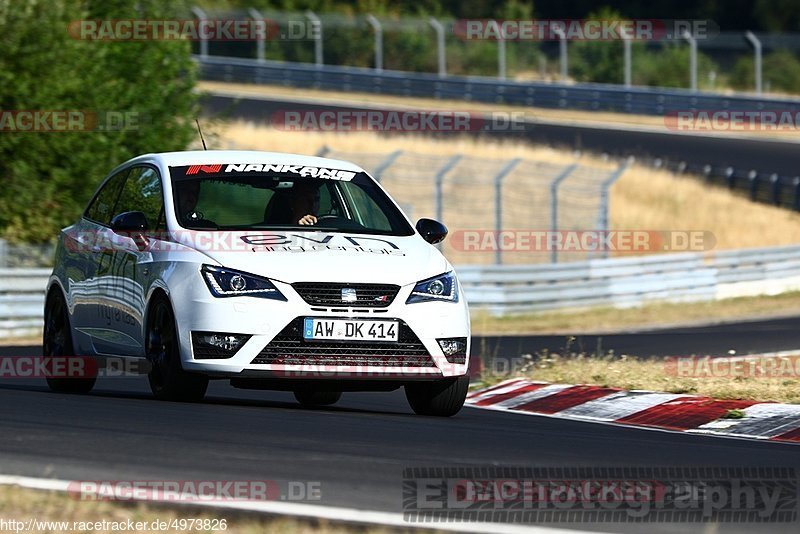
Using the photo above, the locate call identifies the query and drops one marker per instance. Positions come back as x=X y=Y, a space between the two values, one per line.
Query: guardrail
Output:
x=634 y=281
x=508 y=289
x=22 y=301
x=592 y=97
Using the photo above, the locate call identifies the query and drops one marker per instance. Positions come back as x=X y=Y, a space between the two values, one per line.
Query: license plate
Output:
x=349 y=329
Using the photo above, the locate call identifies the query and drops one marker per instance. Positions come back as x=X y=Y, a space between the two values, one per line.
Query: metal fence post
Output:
x=256 y=16
x=562 y=50
x=753 y=177
x=498 y=202
x=602 y=218
x=750 y=36
x=317 y=24
x=501 y=52
x=626 y=43
x=376 y=26
x=775 y=191
x=383 y=165
x=692 y=59
x=440 y=174
x=3 y=253
x=440 y=50
x=554 y=204
x=201 y=16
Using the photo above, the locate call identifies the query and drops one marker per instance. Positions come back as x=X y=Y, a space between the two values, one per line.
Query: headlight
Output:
x=229 y=283
x=442 y=287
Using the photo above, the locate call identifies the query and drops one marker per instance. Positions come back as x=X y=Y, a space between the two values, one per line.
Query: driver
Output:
x=188 y=195
x=304 y=203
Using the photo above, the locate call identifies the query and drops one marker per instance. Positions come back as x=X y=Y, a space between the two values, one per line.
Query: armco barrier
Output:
x=22 y=301
x=594 y=97
x=506 y=289
x=633 y=281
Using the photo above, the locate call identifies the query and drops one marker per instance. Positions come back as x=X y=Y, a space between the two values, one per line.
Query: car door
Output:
x=87 y=263
x=131 y=263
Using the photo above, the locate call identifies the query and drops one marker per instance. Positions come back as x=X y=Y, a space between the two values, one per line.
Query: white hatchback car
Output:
x=275 y=271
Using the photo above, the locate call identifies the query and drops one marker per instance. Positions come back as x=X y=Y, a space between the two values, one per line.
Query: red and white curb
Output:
x=646 y=409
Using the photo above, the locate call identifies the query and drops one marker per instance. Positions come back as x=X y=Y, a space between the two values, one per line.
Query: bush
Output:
x=669 y=67
x=49 y=177
x=780 y=69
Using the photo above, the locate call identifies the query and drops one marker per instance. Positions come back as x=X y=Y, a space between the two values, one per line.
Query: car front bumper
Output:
x=264 y=319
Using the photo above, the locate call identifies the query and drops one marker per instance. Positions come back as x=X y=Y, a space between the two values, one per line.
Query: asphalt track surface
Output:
x=763 y=155
x=356 y=449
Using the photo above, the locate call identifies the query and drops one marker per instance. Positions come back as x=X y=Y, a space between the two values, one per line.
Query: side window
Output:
x=101 y=208
x=142 y=192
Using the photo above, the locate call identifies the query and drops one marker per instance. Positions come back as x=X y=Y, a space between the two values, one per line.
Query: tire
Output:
x=310 y=398
x=168 y=380
x=57 y=342
x=443 y=398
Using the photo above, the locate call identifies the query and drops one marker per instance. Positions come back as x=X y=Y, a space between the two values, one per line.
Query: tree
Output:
x=49 y=176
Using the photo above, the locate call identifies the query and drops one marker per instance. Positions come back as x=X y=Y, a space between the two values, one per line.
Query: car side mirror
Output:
x=431 y=231
x=131 y=224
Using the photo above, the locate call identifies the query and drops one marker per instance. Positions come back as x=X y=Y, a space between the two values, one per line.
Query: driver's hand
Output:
x=307 y=220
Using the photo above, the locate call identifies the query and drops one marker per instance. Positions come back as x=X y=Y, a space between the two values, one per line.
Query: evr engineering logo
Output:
x=288 y=243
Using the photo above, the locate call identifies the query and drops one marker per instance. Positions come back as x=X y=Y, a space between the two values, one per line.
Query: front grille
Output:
x=330 y=294
x=289 y=348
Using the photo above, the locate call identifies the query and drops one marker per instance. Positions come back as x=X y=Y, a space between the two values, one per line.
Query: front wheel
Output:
x=57 y=344
x=442 y=398
x=168 y=380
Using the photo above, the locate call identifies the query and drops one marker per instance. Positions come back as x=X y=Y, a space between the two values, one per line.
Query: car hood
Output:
x=297 y=256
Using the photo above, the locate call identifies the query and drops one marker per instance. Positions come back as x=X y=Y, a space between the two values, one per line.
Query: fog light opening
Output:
x=216 y=345
x=454 y=349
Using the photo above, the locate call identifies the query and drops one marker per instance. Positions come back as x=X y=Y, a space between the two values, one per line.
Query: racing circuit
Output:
x=359 y=452
x=357 y=449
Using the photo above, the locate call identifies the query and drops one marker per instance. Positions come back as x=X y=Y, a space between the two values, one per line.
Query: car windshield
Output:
x=208 y=198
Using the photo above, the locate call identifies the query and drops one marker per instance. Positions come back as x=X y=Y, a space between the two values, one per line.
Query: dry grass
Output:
x=21 y=504
x=560 y=116
x=600 y=320
x=629 y=373
x=656 y=200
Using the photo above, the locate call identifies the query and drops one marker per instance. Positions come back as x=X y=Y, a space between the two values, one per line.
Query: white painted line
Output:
x=331 y=513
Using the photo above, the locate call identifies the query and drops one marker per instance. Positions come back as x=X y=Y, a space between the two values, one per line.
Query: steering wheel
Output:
x=197 y=221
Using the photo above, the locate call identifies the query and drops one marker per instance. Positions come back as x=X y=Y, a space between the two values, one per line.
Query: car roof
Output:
x=210 y=157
